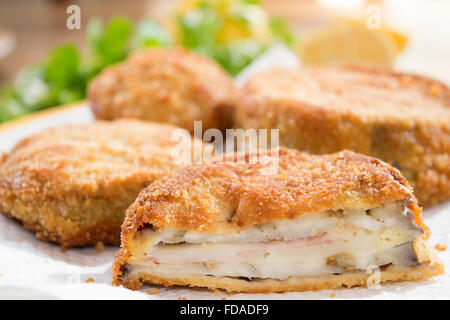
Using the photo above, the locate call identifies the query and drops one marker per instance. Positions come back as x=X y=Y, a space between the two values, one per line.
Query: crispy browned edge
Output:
x=430 y=264
x=347 y=279
x=322 y=130
x=40 y=211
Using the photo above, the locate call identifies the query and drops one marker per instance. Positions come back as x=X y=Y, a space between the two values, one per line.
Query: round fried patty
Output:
x=72 y=184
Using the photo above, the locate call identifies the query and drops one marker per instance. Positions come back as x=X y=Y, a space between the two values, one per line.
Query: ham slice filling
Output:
x=313 y=244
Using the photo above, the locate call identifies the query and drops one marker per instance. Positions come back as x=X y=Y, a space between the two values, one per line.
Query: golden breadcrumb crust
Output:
x=226 y=197
x=72 y=184
x=402 y=119
x=165 y=85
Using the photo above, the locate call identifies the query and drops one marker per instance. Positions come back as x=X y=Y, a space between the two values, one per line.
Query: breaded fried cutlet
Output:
x=165 y=85
x=400 y=118
x=281 y=222
x=72 y=184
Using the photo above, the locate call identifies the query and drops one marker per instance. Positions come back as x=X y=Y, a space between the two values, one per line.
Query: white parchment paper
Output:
x=33 y=269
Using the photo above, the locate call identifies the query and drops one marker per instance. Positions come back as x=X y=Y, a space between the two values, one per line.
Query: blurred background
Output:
x=50 y=49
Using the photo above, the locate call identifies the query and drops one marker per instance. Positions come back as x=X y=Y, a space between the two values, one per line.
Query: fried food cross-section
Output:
x=165 y=85
x=302 y=222
x=72 y=184
x=402 y=119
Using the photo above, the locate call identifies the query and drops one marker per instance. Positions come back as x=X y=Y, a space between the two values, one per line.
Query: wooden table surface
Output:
x=39 y=25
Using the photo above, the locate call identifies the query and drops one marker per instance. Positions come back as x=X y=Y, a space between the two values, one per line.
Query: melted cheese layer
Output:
x=313 y=244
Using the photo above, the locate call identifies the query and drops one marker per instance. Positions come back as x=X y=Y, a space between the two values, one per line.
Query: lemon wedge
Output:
x=399 y=38
x=346 y=43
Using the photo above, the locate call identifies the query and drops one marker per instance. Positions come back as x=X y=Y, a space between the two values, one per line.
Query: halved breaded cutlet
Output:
x=400 y=118
x=289 y=221
x=72 y=184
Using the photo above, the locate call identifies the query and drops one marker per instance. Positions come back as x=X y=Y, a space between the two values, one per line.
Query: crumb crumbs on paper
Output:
x=333 y=294
x=182 y=298
x=44 y=247
x=99 y=247
x=349 y=268
x=153 y=291
x=223 y=298
x=440 y=247
x=89 y=280
x=1 y=274
x=63 y=248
